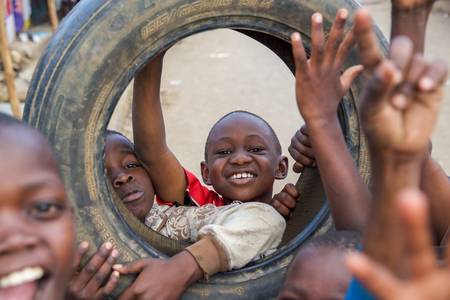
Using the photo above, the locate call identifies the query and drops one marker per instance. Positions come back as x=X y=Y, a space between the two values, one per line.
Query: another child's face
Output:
x=128 y=177
x=317 y=273
x=37 y=230
x=242 y=159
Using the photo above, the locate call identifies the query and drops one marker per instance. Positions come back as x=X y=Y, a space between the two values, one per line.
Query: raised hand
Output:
x=96 y=280
x=301 y=150
x=286 y=200
x=427 y=279
x=319 y=83
x=402 y=97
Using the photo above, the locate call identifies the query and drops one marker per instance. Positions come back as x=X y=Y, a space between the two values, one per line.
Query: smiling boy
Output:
x=37 y=231
x=224 y=238
x=242 y=153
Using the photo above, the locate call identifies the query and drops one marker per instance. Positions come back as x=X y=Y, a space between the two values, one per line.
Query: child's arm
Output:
x=410 y=18
x=398 y=126
x=436 y=185
x=320 y=87
x=165 y=171
x=236 y=235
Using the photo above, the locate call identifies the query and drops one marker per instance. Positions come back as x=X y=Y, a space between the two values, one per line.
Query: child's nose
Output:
x=121 y=179
x=240 y=158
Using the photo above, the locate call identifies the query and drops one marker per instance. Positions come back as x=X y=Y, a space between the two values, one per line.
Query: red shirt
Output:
x=198 y=193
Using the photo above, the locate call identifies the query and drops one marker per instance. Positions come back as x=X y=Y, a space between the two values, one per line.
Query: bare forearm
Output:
x=347 y=194
x=436 y=185
x=190 y=270
x=148 y=121
x=166 y=172
x=411 y=23
x=383 y=235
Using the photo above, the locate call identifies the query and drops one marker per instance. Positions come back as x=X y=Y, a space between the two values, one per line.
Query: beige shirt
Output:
x=240 y=232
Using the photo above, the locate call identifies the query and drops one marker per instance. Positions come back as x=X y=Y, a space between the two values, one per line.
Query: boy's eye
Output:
x=133 y=165
x=46 y=210
x=224 y=152
x=255 y=149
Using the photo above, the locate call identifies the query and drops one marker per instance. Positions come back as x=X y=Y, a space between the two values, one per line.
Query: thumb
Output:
x=349 y=76
x=133 y=267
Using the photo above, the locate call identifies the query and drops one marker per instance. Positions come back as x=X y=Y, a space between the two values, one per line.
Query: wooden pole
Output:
x=8 y=65
x=52 y=14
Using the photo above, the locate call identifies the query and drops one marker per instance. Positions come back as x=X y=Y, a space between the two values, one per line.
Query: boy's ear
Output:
x=283 y=167
x=205 y=173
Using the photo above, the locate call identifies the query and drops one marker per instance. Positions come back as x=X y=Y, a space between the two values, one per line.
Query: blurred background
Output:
x=208 y=75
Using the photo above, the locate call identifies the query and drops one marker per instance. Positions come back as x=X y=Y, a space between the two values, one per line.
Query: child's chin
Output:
x=241 y=197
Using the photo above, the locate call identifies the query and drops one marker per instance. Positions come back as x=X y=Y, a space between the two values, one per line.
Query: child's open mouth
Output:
x=22 y=284
x=242 y=178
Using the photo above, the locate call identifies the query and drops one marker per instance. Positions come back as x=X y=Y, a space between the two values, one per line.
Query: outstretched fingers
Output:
x=317 y=40
x=345 y=47
x=300 y=59
x=336 y=37
x=369 y=51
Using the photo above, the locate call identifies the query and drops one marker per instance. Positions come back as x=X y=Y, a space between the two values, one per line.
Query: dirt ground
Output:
x=212 y=73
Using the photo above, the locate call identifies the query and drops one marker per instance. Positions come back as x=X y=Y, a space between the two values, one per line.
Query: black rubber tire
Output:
x=87 y=65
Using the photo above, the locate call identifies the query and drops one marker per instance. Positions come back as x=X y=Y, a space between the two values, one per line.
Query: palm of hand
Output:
x=323 y=87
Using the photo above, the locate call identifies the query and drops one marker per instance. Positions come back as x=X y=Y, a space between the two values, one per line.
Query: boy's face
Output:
x=317 y=273
x=37 y=231
x=242 y=159
x=128 y=177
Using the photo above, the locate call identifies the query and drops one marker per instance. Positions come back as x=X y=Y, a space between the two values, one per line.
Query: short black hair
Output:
x=110 y=132
x=344 y=240
x=272 y=131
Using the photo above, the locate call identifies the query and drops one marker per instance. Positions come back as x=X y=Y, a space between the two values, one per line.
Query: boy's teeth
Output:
x=21 y=277
x=242 y=175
